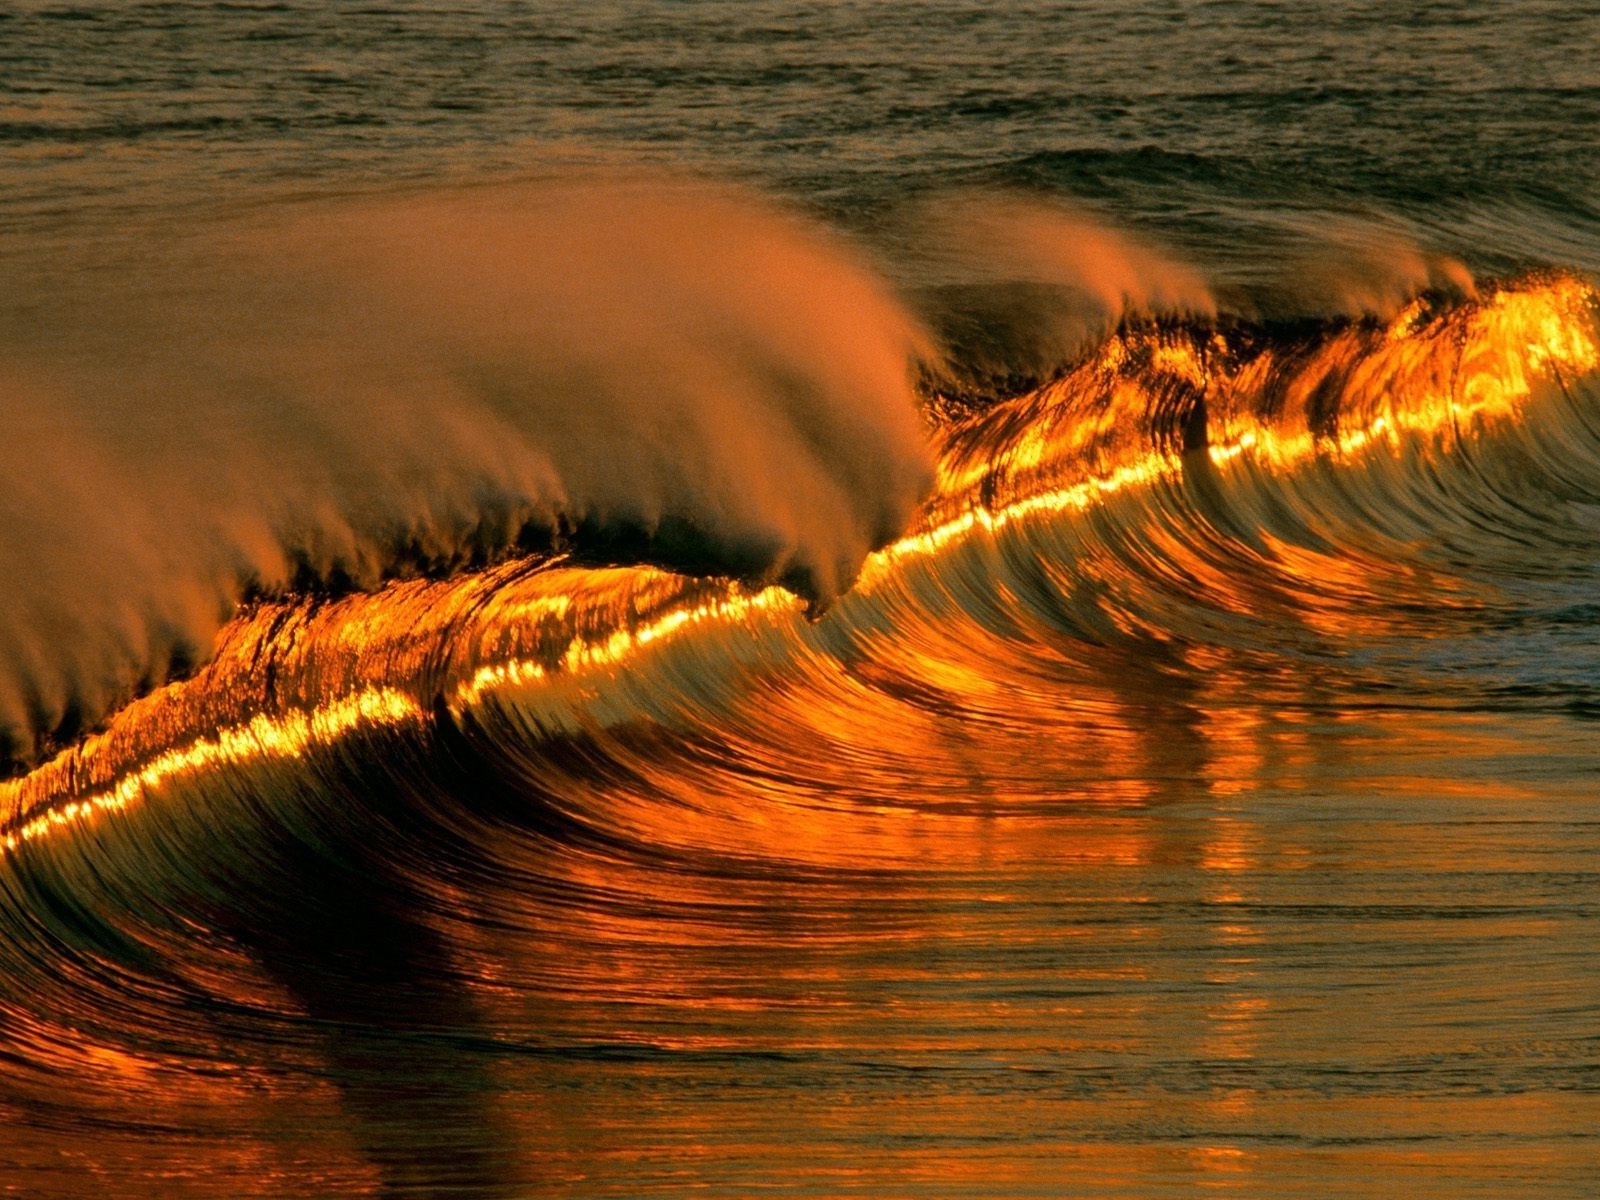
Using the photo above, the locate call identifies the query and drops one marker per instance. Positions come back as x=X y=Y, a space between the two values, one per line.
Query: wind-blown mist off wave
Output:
x=343 y=392
x=1019 y=286
x=1185 y=484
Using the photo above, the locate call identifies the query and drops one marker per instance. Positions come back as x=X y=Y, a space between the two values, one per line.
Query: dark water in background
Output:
x=1476 y=122
x=1236 y=833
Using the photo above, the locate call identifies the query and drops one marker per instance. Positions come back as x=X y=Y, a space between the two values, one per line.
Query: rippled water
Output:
x=1199 y=796
x=1474 y=120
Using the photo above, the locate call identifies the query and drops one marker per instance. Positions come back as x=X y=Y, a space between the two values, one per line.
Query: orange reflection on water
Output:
x=734 y=979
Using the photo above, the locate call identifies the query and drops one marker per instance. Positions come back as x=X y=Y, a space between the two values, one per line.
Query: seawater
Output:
x=1215 y=814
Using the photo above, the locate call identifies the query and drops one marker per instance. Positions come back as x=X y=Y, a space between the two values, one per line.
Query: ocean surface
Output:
x=915 y=599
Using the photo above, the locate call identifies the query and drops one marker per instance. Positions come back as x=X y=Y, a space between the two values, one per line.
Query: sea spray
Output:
x=332 y=394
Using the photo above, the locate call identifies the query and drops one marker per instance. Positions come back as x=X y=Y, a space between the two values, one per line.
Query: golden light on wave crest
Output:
x=1548 y=330
x=583 y=655
x=1043 y=455
x=285 y=736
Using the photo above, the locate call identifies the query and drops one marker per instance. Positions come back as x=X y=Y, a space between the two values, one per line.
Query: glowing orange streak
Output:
x=281 y=737
x=1541 y=324
x=582 y=655
x=1077 y=498
x=1555 y=341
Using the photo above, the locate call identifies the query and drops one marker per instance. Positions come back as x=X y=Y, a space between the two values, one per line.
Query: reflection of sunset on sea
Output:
x=912 y=600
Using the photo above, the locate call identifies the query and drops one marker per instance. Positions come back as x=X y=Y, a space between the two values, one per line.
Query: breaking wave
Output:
x=323 y=396
x=384 y=844
x=1187 y=483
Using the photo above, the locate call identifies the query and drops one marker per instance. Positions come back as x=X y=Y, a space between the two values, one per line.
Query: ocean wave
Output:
x=319 y=397
x=405 y=863
x=1187 y=484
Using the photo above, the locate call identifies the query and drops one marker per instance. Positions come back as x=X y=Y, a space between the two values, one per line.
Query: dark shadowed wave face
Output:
x=914 y=599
